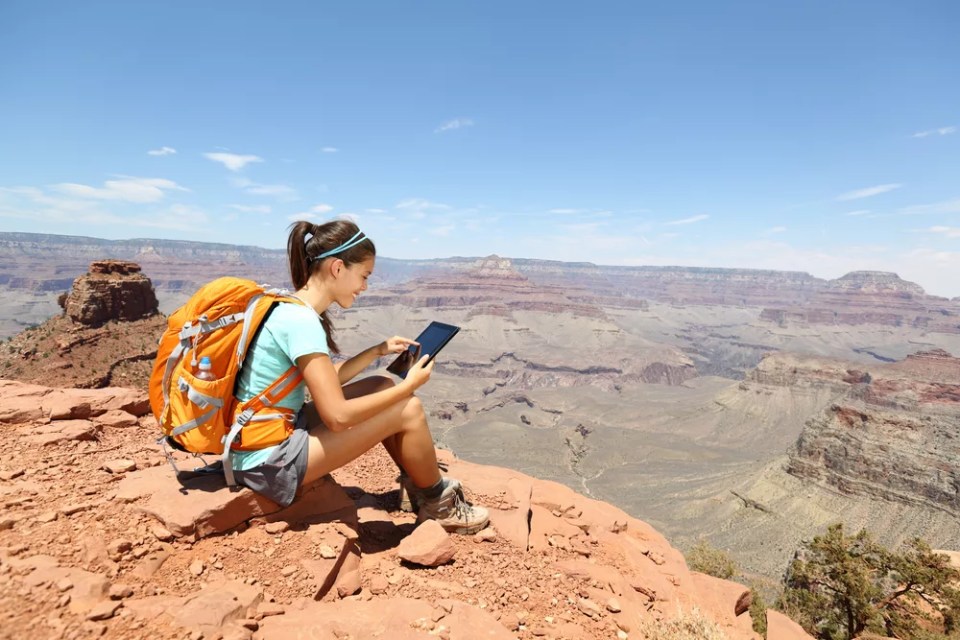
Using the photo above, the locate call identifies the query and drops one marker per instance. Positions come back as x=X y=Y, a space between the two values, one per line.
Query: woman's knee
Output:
x=413 y=409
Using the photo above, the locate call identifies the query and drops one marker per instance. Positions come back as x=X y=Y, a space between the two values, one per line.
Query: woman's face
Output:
x=352 y=281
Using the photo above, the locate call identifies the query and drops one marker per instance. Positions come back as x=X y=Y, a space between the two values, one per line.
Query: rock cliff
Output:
x=178 y=268
x=98 y=539
x=488 y=286
x=871 y=297
x=110 y=290
x=893 y=434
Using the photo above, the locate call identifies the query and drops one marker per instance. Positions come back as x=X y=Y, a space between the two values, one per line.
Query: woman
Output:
x=330 y=263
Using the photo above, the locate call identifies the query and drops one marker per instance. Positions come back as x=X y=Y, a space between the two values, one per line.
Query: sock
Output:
x=431 y=493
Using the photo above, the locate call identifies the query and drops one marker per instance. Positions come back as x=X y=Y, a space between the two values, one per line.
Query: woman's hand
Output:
x=419 y=373
x=396 y=344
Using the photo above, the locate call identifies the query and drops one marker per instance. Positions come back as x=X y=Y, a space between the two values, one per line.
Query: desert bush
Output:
x=712 y=561
x=686 y=626
x=758 y=612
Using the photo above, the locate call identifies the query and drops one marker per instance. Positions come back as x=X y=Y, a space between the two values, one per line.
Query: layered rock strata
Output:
x=110 y=290
x=894 y=434
x=871 y=297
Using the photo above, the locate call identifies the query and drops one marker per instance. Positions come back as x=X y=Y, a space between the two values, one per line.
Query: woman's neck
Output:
x=314 y=297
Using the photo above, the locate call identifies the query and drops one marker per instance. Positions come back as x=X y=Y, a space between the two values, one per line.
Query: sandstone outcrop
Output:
x=871 y=297
x=111 y=290
x=488 y=286
x=107 y=334
x=88 y=548
x=892 y=434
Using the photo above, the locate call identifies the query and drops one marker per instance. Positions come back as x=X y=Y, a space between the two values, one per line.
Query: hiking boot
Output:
x=452 y=511
x=409 y=496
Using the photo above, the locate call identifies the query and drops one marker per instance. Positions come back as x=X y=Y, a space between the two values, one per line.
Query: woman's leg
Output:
x=403 y=423
x=365 y=387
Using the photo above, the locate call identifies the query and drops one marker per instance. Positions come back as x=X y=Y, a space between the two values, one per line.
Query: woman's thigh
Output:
x=330 y=450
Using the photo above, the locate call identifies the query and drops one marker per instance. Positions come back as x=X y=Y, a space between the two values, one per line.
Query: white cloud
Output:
x=126 y=189
x=279 y=191
x=419 y=204
x=690 y=220
x=162 y=151
x=858 y=212
x=868 y=191
x=565 y=212
x=949 y=232
x=321 y=208
x=942 y=131
x=246 y=208
x=375 y=210
x=945 y=207
x=773 y=231
x=232 y=161
x=456 y=123
x=330 y=150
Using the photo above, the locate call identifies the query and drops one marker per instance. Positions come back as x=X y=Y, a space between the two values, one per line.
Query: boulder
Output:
x=780 y=627
x=429 y=545
x=203 y=505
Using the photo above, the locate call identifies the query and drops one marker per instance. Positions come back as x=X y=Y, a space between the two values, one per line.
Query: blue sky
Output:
x=813 y=136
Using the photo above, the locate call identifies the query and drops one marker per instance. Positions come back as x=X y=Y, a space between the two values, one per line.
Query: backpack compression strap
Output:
x=273 y=394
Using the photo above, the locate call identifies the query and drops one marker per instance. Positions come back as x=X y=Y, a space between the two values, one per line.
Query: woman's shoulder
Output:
x=293 y=313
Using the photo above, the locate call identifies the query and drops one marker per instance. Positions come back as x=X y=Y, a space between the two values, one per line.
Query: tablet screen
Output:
x=431 y=340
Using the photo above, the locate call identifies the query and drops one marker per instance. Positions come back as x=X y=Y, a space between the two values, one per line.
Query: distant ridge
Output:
x=35 y=262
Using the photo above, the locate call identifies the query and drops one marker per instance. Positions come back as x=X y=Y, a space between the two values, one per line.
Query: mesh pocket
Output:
x=207 y=405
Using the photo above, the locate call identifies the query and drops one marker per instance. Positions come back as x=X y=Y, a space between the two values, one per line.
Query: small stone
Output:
x=196 y=567
x=276 y=527
x=122 y=465
x=589 y=608
x=327 y=552
x=250 y=623
x=161 y=533
x=120 y=591
x=618 y=526
x=69 y=510
x=65 y=584
x=103 y=610
x=119 y=547
x=613 y=605
x=48 y=516
x=64 y=600
x=485 y=535
x=378 y=585
x=622 y=635
x=288 y=571
x=265 y=609
x=11 y=474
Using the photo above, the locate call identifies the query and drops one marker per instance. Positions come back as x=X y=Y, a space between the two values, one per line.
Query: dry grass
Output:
x=686 y=626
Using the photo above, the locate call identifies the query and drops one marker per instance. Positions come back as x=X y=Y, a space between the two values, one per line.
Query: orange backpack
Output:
x=201 y=416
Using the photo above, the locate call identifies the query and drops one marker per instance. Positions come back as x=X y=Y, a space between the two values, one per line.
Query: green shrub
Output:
x=712 y=561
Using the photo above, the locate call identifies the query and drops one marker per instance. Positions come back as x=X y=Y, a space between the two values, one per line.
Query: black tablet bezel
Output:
x=395 y=366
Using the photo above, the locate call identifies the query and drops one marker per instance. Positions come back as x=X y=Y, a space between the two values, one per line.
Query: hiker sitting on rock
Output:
x=330 y=263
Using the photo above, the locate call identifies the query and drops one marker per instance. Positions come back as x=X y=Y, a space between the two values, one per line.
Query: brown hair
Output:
x=307 y=241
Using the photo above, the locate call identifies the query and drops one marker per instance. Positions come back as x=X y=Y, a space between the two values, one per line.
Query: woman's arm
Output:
x=349 y=369
x=337 y=412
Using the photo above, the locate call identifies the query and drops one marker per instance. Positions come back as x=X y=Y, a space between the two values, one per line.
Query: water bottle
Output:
x=203 y=370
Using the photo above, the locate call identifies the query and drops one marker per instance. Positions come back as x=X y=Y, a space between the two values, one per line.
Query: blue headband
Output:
x=355 y=240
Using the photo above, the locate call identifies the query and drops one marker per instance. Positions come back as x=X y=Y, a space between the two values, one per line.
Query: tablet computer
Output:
x=431 y=339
